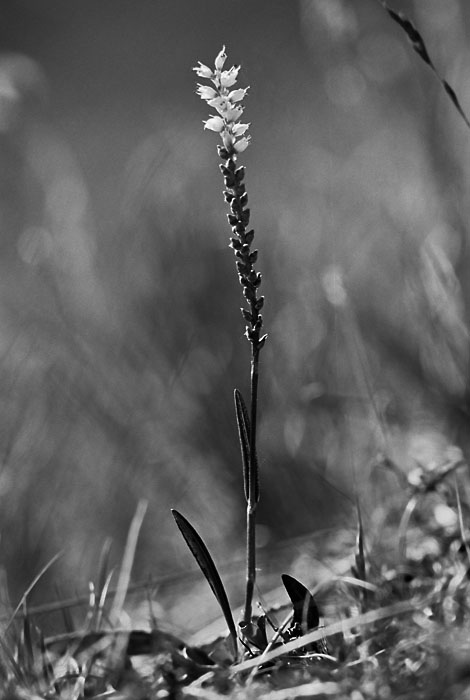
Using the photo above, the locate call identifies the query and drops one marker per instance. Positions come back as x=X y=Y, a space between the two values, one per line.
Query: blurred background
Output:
x=121 y=339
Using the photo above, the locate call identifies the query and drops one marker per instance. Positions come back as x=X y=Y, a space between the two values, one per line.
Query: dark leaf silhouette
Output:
x=243 y=423
x=208 y=568
x=306 y=613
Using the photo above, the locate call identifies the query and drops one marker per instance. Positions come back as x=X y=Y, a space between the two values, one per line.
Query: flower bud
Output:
x=242 y=145
x=239 y=129
x=223 y=153
x=240 y=172
x=245 y=217
x=227 y=139
x=220 y=59
x=207 y=93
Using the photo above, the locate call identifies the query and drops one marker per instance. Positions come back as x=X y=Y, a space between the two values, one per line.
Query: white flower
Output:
x=203 y=71
x=229 y=77
x=242 y=145
x=221 y=104
x=214 y=124
x=226 y=102
x=220 y=59
x=206 y=93
x=231 y=115
x=238 y=95
x=239 y=129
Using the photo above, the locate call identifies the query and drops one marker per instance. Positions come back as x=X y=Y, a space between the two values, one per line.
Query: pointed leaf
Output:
x=243 y=423
x=206 y=564
x=360 y=559
x=306 y=613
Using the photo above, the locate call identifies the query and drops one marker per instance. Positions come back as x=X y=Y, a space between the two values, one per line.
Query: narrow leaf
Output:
x=360 y=559
x=243 y=423
x=306 y=613
x=36 y=579
x=206 y=564
x=419 y=46
x=27 y=643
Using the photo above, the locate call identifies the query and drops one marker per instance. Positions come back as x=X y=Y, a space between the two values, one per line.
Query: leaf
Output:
x=306 y=613
x=249 y=461
x=360 y=559
x=419 y=46
x=128 y=561
x=206 y=564
x=243 y=423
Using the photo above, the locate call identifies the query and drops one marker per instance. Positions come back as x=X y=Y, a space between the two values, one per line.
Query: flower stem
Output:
x=227 y=103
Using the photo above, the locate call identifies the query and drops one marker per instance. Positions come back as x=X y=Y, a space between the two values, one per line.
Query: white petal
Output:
x=214 y=124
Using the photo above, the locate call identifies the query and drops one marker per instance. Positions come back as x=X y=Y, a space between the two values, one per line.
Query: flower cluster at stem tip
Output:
x=226 y=102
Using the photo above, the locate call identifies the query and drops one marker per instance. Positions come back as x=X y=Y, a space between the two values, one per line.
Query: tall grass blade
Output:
x=103 y=568
x=206 y=564
x=128 y=561
x=417 y=42
x=360 y=558
x=35 y=580
x=26 y=644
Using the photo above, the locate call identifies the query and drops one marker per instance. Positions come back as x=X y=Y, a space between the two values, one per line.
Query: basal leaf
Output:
x=206 y=564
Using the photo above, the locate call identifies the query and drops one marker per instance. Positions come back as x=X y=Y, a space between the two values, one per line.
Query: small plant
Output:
x=226 y=100
x=223 y=97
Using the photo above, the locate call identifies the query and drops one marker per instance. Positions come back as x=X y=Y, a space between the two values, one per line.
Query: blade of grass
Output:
x=36 y=579
x=417 y=42
x=206 y=564
x=128 y=561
